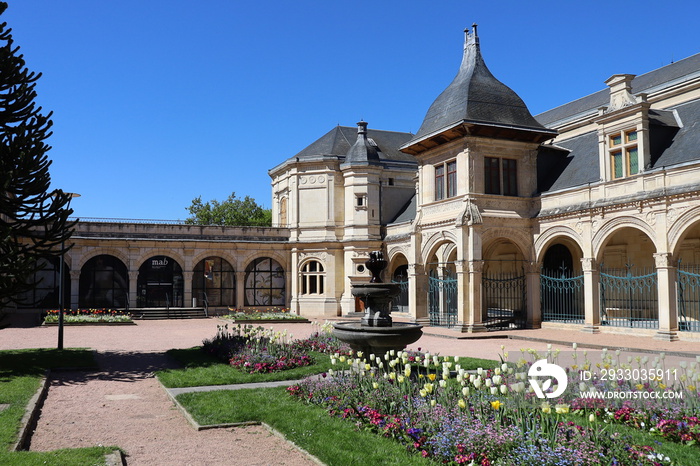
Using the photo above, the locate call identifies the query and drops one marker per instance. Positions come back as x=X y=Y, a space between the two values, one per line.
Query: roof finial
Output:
x=474 y=29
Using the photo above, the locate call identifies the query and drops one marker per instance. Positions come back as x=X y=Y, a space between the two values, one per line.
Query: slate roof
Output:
x=336 y=143
x=574 y=163
x=476 y=96
x=674 y=138
x=671 y=145
x=680 y=71
x=408 y=212
x=364 y=151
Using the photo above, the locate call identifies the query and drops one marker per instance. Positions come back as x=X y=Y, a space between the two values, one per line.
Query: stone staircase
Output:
x=155 y=313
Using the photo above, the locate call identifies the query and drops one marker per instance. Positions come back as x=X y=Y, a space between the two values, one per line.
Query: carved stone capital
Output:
x=663 y=259
x=588 y=264
x=532 y=267
x=476 y=266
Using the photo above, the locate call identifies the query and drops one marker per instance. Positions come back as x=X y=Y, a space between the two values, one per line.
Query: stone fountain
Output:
x=376 y=333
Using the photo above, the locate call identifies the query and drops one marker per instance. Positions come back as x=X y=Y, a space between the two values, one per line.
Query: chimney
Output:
x=620 y=91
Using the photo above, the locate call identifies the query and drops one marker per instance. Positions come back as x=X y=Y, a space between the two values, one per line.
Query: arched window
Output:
x=215 y=277
x=160 y=283
x=264 y=283
x=104 y=282
x=283 y=212
x=44 y=294
x=312 y=278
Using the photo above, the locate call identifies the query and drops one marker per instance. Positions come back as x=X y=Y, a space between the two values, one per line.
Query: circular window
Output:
x=360 y=268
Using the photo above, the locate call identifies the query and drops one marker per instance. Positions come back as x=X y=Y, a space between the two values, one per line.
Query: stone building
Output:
x=585 y=216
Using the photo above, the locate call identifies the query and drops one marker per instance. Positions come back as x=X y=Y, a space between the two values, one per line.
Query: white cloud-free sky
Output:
x=157 y=102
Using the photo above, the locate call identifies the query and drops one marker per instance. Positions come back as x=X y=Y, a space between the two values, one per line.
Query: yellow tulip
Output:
x=561 y=408
x=496 y=404
x=546 y=407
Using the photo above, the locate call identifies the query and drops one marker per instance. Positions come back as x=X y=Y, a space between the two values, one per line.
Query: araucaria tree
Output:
x=33 y=220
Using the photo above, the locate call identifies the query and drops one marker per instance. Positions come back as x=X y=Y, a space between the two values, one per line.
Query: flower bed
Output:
x=255 y=349
x=89 y=316
x=273 y=314
x=489 y=417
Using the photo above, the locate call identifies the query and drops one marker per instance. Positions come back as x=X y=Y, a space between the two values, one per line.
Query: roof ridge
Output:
x=605 y=90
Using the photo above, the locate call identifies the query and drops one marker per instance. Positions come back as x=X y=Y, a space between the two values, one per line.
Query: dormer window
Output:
x=624 y=154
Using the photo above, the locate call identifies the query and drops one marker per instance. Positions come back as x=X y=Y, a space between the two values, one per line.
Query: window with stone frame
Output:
x=623 y=154
x=446 y=186
x=312 y=278
x=500 y=176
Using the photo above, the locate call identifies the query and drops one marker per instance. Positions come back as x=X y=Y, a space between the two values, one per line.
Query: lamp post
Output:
x=61 y=304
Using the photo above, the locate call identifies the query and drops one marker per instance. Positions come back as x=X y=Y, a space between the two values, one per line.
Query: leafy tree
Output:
x=33 y=221
x=233 y=212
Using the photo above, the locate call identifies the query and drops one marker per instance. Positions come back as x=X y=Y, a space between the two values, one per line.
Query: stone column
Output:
x=463 y=308
x=534 y=305
x=418 y=294
x=475 y=320
x=240 y=289
x=591 y=292
x=187 y=291
x=73 y=303
x=292 y=286
x=133 y=289
x=667 y=275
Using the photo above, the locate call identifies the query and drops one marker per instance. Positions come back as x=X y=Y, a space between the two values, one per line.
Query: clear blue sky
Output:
x=157 y=102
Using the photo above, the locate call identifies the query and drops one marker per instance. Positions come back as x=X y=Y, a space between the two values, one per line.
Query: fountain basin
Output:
x=377 y=340
x=377 y=298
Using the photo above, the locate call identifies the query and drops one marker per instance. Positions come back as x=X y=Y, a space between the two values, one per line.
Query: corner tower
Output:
x=477 y=156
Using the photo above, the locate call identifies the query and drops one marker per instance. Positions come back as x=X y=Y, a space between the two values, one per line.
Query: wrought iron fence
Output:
x=629 y=298
x=400 y=302
x=561 y=296
x=689 y=299
x=442 y=300
x=504 y=299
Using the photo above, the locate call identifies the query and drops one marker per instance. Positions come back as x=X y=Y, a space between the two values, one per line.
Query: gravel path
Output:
x=124 y=405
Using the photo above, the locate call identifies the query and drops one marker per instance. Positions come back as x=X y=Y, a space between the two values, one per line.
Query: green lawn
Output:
x=201 y=369
x=20 y=375
x=332 y=440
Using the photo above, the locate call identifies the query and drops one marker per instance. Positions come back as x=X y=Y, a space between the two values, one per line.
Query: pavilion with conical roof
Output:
x=476 y=103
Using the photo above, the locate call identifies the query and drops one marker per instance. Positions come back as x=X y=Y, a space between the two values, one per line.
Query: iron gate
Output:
x=629 y=298
x=561 y=296
x=400 y=302
x=689 y=299
x=504 y=299
x=442 y=300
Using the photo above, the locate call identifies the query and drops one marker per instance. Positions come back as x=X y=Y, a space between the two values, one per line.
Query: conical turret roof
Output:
x=364 y=151
x=476 y=100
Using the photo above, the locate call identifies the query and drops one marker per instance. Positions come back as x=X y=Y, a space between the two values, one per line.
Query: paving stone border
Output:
x=266 y=321
x=76 y=324
x=600 y=347
x=31 y=414
x=174 y=392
